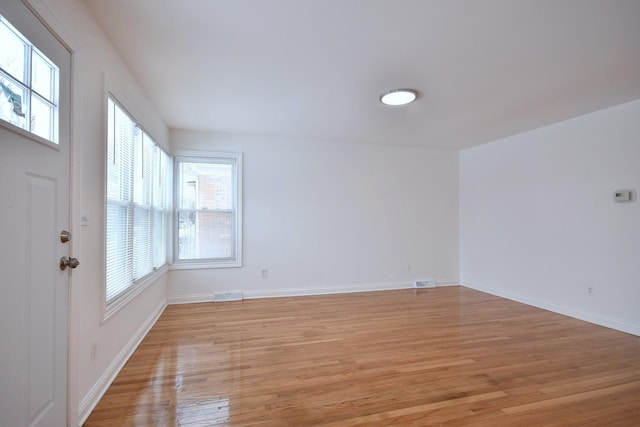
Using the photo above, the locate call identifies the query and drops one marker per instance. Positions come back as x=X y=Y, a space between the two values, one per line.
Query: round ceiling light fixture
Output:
x=399 y=97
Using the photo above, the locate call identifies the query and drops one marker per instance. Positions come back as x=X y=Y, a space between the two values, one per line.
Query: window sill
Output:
x=114 y=306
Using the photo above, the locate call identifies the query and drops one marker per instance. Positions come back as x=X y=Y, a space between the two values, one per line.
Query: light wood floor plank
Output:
x=446 y=356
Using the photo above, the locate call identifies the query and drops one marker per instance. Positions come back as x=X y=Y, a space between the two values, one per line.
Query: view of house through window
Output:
x=207 y=209
x=28 y=85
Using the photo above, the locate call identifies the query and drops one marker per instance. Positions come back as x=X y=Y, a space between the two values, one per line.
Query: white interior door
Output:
x=34 y=209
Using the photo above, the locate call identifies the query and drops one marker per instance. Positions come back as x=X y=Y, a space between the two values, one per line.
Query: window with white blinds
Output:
x=136 y=211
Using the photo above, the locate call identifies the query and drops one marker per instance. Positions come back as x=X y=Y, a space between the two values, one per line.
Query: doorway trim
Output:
x=53 y=24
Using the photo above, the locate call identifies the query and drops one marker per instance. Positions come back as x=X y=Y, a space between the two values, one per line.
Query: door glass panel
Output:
x=13 y=52
x=42 y=77
x=13 y=107
x=41 y=118
x=28 y=76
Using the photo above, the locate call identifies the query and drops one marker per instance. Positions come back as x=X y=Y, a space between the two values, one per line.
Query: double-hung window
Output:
x=136 y=204
x=28 y=85
x=208 y=210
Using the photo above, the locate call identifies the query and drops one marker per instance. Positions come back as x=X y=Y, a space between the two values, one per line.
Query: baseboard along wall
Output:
x=296 y=292
x=567 y=311
x=91 y=399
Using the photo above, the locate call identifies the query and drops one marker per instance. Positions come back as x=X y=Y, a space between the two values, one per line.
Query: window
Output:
x=28 y=85
x=208 y=210
x=136 y=212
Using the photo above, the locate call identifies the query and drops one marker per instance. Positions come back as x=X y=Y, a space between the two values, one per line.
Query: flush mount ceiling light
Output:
x=399 y=97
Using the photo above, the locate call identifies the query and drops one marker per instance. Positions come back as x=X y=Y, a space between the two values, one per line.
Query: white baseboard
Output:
x=91 y=399
x=447 y=283
x=296 y=292
x=567 y=311
x=190 y=299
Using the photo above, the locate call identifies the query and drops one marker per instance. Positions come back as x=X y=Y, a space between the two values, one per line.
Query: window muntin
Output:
x=136 y=204
x=28 y=85
x=207 y=193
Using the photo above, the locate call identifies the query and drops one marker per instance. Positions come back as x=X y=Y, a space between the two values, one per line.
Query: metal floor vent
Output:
x=227 y=296
x=425 y=284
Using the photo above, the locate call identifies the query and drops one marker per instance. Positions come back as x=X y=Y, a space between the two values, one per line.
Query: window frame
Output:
x=26 y=83
x=140 y=284
x=234 y=158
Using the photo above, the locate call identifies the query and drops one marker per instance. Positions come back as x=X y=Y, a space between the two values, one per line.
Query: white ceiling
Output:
x=315 y=68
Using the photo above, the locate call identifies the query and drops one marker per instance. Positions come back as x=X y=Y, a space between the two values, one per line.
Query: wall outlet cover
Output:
x=626 y=195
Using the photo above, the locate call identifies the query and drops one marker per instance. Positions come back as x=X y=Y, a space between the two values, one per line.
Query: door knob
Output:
x=68 y=262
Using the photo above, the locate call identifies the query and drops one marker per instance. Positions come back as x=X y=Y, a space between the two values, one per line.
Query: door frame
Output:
x=54 y=25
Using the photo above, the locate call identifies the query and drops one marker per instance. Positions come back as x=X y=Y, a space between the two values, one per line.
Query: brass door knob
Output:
x=68 y=262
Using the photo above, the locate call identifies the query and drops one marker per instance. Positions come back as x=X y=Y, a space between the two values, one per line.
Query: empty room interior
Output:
x=320 y=212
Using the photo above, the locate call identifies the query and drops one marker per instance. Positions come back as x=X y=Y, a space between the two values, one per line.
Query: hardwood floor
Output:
x=445 y=356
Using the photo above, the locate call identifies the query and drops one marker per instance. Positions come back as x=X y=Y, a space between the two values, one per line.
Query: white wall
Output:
x=328 y=217
x=536 y=218
x=538 y=223
x=98 y=60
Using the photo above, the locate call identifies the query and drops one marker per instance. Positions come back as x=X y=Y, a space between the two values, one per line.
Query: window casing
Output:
x=29 y=84
x=208 y=210
x=137 y=196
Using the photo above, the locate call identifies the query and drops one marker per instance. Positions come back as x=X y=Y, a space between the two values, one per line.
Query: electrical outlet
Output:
x=265 y=273
x=407 y=267
x=622 y=196
x=590 y=291
x=84 y=219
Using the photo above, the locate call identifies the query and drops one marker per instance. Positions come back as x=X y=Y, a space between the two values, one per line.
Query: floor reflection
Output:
x=435 y=356
x=213 y=411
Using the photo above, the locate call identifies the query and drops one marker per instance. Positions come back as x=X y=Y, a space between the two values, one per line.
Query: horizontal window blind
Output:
x=136 y=211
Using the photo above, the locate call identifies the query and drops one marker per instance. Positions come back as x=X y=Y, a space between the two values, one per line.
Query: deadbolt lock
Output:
x=65 y=236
